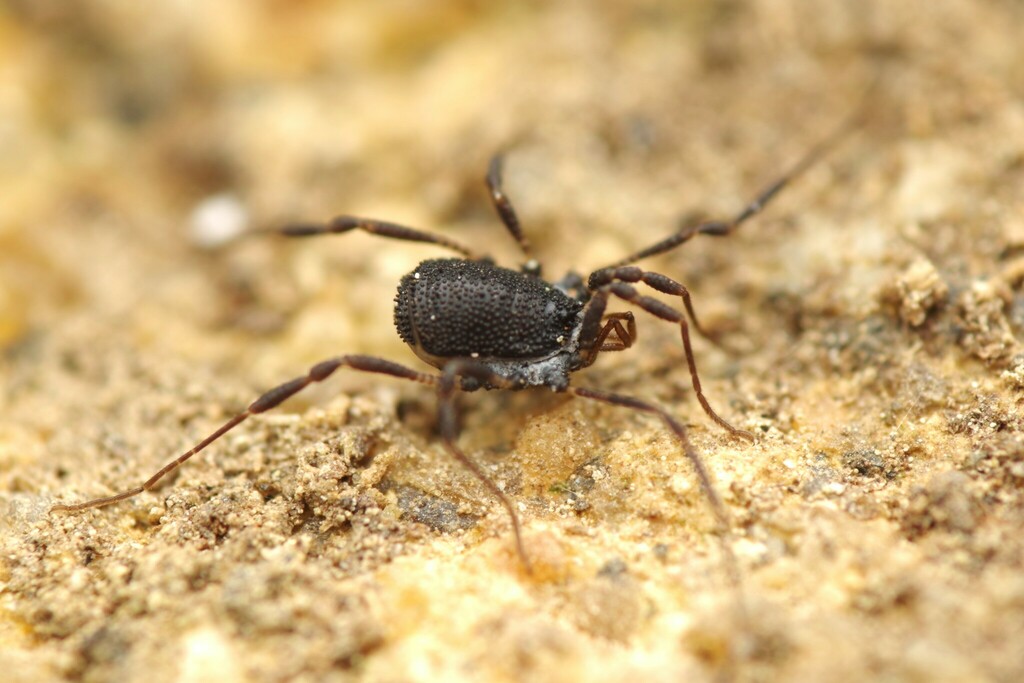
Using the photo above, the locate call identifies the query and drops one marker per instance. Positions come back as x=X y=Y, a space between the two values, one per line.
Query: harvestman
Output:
x=484 y=326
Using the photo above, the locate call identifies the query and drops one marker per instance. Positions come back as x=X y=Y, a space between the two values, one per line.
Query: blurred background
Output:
x=876 y=304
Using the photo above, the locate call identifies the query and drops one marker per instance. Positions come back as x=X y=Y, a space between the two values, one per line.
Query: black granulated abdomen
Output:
x=453 y=308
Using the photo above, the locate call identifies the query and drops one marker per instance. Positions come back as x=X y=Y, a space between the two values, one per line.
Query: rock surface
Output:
x=875 y=307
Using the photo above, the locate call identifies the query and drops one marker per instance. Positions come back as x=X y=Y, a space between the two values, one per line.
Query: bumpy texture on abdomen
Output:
x=455 y=308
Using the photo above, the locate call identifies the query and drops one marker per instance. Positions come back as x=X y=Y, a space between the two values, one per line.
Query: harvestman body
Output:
x=484 y=326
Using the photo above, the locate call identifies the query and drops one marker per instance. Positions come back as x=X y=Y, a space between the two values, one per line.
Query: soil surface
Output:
x=868 y=321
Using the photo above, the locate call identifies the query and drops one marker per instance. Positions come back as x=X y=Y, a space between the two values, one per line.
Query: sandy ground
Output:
x=874 y=309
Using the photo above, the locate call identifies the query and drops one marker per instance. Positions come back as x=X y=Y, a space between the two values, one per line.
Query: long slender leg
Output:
x=447 y=385
x=657 y=308
x=449 y=428
x=720 y=228
x=268 y=400
x=342 y=224
x=656 y=281
x=503 y=205
x=721 y=514
x=718 y=507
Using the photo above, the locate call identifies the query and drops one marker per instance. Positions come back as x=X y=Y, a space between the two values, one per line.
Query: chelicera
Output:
x=488 y=327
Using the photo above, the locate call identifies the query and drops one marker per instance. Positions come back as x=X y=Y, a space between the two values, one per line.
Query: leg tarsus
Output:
x=268 y=400
x=721 y=512
x=677 y=428
x=721 y=228
x=449 y=428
